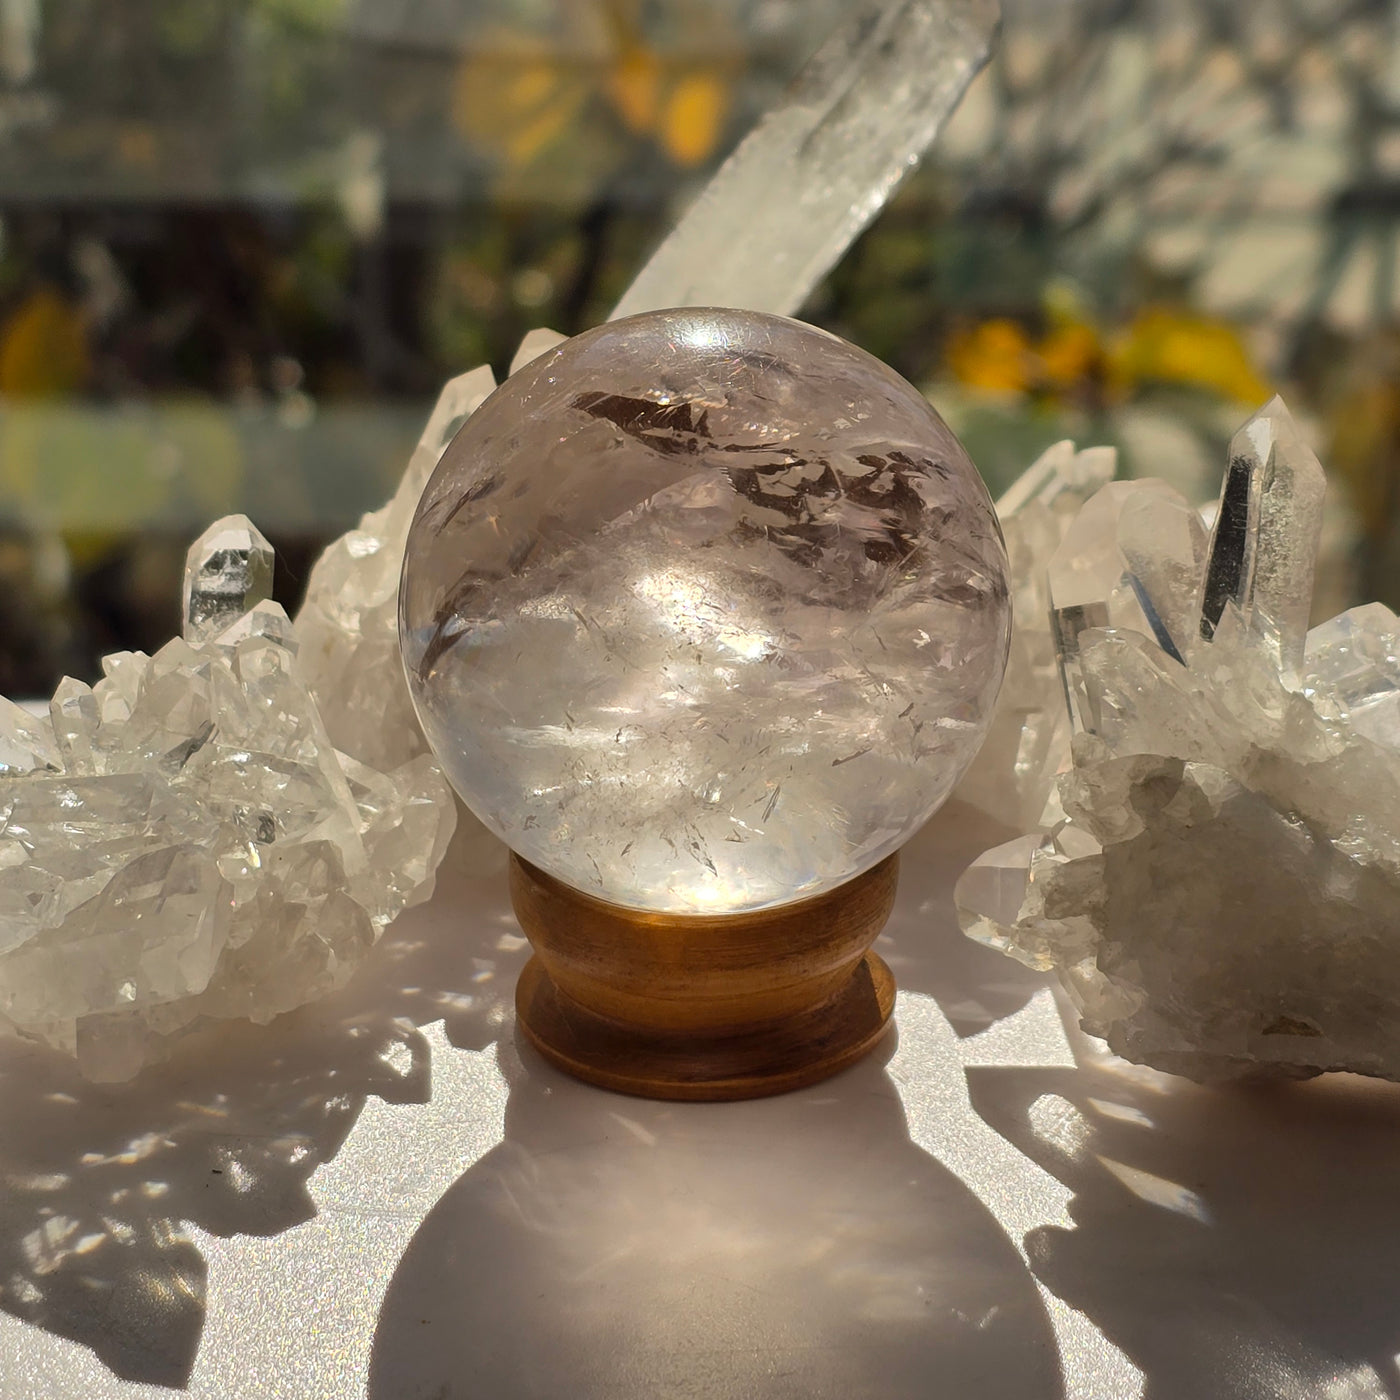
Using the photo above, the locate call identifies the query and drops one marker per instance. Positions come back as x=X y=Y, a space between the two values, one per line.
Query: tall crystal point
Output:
x=228 y=572
x=792 y=198
x=1263 y=549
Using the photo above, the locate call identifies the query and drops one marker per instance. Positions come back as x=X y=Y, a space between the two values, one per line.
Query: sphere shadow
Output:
x=781 y=1249
x=1232 y=1243
x=99 y=1183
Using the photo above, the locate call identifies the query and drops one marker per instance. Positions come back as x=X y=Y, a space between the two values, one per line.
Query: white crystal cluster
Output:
x=185 y=841
x=1220 y=894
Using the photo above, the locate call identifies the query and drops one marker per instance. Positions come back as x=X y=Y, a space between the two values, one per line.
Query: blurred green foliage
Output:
x=242 y=243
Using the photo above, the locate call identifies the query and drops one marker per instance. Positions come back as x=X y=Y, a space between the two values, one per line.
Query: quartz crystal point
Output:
x=1130 y=559
x=1220 y=894
x=182 y=841
x=1263 y=549
x=227 y=573
x=788 y=203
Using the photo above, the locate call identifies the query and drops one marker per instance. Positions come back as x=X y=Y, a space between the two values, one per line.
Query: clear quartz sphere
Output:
x=704 y=610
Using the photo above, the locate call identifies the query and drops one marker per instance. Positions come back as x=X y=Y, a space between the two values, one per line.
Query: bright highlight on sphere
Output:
x=704 y=611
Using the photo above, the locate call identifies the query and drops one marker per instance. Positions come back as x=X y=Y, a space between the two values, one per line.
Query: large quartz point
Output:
x=184 y=842
x=1220 y=893
x=1263 y=550
x=782 y=210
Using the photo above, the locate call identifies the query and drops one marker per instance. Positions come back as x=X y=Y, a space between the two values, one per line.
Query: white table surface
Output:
x=387 y=1196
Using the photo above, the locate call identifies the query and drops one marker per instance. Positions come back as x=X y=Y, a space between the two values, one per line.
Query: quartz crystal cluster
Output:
x=1220 y=891
x=705 y=611
x=184 y=840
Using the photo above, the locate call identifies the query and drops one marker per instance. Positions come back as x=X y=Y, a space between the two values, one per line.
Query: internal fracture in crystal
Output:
x=1218 y=886
x=704 y=610
x=183 y=842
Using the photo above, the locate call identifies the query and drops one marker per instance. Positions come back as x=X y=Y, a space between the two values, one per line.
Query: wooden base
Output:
x=682 y=1006
x=770 y=1059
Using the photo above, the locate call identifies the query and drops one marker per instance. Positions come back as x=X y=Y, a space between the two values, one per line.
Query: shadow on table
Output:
x=98 y=1183
x=973 y=985
x=1234 y=1244
x=784 y=1249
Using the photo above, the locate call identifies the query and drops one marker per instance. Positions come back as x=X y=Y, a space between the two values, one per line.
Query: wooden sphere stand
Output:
x=703 y=1006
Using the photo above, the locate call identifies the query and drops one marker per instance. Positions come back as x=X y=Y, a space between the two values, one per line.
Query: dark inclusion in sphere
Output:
x=705 y=610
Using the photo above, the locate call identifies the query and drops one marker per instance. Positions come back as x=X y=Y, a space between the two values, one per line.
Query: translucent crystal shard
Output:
x=348 y=625
x=1263 y=548
x=790 y=200
x=228 y=571
x=534 y=345
x=992 y=890
x=73 y=714
x=1130 y=559
x=1028 y=744
x=26 y=742
x=1357 y=657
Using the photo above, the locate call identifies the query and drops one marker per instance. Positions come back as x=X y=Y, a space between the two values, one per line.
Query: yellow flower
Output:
x=1169 y=346
x=995 y=356
x=43 y=347
x=634 y=87
x=1070 y=354
x=692 y=119
x=520 y=95
x=517 y=98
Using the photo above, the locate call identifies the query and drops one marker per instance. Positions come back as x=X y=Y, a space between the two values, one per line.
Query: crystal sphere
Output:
x=704 y=610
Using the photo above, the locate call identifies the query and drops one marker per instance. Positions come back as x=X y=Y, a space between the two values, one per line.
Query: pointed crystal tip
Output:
x=228 y=572
x=1263 y=549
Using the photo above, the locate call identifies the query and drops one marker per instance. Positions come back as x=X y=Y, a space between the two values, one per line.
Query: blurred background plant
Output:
x=243 y=241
